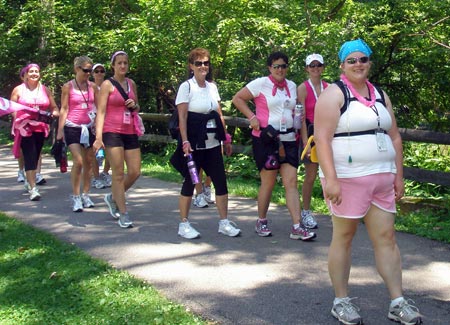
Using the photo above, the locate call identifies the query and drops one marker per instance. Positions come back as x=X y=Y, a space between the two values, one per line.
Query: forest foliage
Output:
x=410 y=40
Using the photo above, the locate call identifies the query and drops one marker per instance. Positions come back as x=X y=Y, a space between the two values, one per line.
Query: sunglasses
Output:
x=86 y=70
x=99 y=71
x=363 y=59
x=315 y=65
x=201 y=63
x=280 y=66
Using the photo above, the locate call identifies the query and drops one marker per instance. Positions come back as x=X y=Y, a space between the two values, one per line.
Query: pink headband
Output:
x=116 y=54
x=32 y=65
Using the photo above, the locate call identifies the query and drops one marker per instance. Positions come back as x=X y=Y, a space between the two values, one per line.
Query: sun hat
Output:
x=357 y=45
x=313 y=57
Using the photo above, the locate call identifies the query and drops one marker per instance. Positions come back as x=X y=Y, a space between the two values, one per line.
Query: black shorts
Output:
x=72 y=135
x=262 y=151
x=127 y=141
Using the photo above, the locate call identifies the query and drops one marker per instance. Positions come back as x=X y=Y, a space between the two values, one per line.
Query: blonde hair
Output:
x=82 y=60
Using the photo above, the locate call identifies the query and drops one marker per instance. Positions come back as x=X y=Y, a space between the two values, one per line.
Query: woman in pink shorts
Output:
x=361 y=169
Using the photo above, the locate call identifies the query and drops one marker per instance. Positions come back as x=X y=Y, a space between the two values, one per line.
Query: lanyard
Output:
x=87 y=87
x=314 y=88
x=375 y=110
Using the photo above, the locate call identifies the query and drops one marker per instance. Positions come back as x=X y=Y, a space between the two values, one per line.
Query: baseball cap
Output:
x=313 y=57
x=98 y=65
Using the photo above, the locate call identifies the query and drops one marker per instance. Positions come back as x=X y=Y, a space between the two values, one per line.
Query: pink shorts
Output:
x=359 y=193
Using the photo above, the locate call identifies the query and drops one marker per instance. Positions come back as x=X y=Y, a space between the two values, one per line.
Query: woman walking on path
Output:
x=116 y=131
x=361 y=169
x=275 y=148
x=77 y=117
x=30 y=128
x=307 y=94
x=202 y=128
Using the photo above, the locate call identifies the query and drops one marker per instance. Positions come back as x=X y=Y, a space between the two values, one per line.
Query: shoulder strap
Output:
x=380 y=91
x=346 y=93
x=119 y=87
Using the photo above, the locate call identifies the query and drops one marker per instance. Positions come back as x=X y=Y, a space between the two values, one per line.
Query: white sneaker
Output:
x=106 y=179
x=27 y=186
x=98 y=183
x=199 y=201
x=34 y=194
x=77 y=203
x=20 y=176
x=228 y=228
x=86 y=201
x=185 y=230
x=124 y=220
x=207 y=192
x=40 y=180
x=308 y=219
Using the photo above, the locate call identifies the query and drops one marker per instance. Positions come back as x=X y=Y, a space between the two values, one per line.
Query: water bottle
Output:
x=192 y=170
x=100 y=156
x=63 y=162
x=298 y=116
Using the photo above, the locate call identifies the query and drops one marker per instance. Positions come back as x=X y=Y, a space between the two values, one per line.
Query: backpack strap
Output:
x=119 y=87
x=348 y=99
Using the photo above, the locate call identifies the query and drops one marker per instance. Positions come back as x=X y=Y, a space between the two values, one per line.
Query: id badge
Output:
x=127 y=117
x=84 y=106
x=381 y=140
x=283 y=124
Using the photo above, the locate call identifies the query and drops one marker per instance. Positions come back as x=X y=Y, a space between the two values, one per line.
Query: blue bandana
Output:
x=357 y=45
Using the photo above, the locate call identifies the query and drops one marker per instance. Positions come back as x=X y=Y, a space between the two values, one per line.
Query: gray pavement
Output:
x=243 y=280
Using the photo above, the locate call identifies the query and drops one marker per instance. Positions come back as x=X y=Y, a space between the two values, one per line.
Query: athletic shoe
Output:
x=405 y=313
x=124 y=220
x=40 y=180
x=261 y=228
x=185 y=230
x=207 y=193
x=77 y=203
x=98 y=183
x=106 y=179
x=346 y=312
x=301 y=233
x=86 y=200
x=308 y=219
x=199 y=201
x=113 y=209
x=34 y=194
x=228 y=228
x=20 y=176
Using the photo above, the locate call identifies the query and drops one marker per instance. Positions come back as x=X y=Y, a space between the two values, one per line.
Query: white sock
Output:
x=396 y=301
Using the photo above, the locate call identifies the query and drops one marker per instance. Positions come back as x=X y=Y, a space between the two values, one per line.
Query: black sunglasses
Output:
x=99 y=71
x=314 y=65
x=86 y=70
x=280 y=66
x=200 y=63
x=363 y=59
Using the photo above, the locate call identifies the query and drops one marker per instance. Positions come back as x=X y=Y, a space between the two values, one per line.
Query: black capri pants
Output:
x=31 y=149
x=211 y=161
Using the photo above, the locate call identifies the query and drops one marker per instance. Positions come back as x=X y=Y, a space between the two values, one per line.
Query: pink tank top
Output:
x=115 y=111
x=37 y=99
x=310 y=100
x=81 y=103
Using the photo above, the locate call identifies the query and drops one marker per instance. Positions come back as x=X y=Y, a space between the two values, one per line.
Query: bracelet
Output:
x=184 y=142
x=251 y=118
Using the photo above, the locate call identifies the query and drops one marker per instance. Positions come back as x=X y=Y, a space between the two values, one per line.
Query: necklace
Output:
x=86 y=102
x=360 y=98
x=314 y=88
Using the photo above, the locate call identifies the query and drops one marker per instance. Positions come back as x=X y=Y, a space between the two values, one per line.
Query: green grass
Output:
x=46 y=281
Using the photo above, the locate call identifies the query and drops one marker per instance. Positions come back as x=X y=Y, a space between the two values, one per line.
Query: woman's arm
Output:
x=64 y=110
x=240 y=100
x=105 y=89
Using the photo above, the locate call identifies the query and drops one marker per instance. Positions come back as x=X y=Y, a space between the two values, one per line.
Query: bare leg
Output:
x=268 y=179
x=308 y=184
x=289 y=177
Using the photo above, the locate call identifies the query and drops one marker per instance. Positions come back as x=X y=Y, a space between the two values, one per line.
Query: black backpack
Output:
x=347 y=98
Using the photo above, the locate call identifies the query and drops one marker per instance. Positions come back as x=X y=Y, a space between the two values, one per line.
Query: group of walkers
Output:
x=352 y=122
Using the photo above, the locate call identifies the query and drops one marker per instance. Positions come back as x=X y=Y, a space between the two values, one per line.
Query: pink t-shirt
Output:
x=116 y=112
x=310 y=100
x=81 y=103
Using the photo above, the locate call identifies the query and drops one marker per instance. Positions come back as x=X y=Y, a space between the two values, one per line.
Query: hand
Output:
x=187 y=148
x=254 y=123
x=333 y=192
x=399 y=188
x=228 y=149
x=97 y=145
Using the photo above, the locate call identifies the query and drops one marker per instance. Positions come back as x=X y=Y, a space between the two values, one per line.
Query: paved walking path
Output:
x=243 y=280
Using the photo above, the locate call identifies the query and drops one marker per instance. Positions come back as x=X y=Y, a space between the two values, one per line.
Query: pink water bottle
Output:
x=192 y=170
